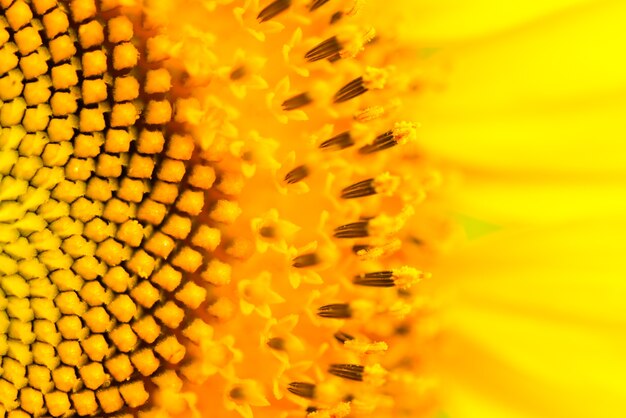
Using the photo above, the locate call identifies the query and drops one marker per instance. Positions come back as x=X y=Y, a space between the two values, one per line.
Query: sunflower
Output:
x=230 y=208
x=530 y=117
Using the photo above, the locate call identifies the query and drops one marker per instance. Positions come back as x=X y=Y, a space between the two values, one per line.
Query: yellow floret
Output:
x=27 y=40
x=170 y=349
x=157 y=81
x=83 y=9
x=147 y=329
x=64 y=76
x=124 y=114
x=125 y=88
x=158 y=112
x=57 y=403
x=145 y=294
x=150 y=142
x=125 y=56
x=142 y=264
x=110 y=400
x=120 y=29
x=145 y=362
x=85 y=403
x=123 y=308
x=18 y=15
x=124 y=338
x=62 y=48
x=170 y=314
x=93 y=375
x=94 y=63
x=96 y=347
x=55 y=22
x=91 y=34
x=119 y=367
x=134 y=394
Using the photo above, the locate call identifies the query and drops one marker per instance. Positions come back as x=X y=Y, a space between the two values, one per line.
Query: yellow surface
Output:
x=173 y=237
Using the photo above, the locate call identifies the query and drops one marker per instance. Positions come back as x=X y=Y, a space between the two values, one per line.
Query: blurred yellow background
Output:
x=532 y=115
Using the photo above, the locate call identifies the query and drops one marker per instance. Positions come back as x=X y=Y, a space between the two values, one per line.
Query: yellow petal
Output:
x=514 y=199
x=455 y=20
x=535 y=326
x=546 y=97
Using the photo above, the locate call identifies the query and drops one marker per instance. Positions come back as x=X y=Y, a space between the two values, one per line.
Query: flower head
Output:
x=181 y=181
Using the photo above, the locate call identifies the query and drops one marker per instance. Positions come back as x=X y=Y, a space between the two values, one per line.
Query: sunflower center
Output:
x=98 y=198
x=176 y=221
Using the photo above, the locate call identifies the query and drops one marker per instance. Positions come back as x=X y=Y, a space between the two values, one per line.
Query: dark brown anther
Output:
x=360 y=189
x=273 y=9
x=267 y=231
x=341 y=141
x=382 y=142
x=336 y=17
x=352 y=230
x=347 y=371
x=236 y=393
x=316 y=4
x=276 y=343
x=334 y=58
x=297 y=174
x=357 y=248
x=377 y=279
x=310 y=409
x=342 y=337
x=403 y=329
x=305 y=260
x=325 y=49
x=350 y=91
x=297 y=102
x=416 y=241
x=238 y=73
x=303 y=389
x=335 y=310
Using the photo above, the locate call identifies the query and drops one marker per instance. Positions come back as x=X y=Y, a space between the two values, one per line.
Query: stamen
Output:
x=377 y=279
x=360 y=189
x=267 y=231
x=372 y=79
x=273 y=9
x=316 y=4
x=359 y=248
x=347 y=371
x=297 y=174
x=236 y=393
x=336 y=17
x=352 y=230
x=403 y=329
x=351 y=90
x=342 y=337
x=402 y=133
x=403 y=277
x=382 y=142
x=303 y=389
x=305 y=260
x=325 y=49
x=341 y=141
x=276 y=343
x=384 y=184
x=335 y=310
x=238 y=73
x=296 y=102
